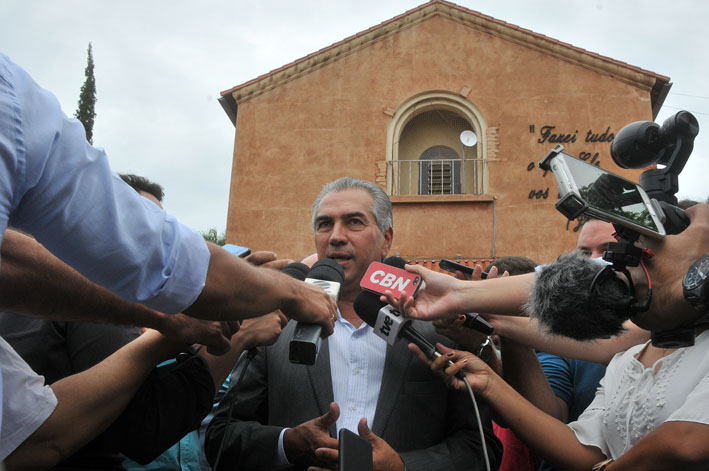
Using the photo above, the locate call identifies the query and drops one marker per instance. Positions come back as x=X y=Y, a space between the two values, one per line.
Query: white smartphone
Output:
x=585 y=188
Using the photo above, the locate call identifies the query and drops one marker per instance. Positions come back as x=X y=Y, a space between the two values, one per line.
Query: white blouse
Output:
x=633 y=401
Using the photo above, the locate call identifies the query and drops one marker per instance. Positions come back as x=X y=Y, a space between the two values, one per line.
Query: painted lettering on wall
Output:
x=553 y=134
x=548 y=134
x=605 y=136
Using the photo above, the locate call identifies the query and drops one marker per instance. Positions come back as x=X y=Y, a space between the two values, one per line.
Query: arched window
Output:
x=426 y=154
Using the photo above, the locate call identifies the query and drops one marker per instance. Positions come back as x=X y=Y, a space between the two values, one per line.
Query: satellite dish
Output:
x=468 y=138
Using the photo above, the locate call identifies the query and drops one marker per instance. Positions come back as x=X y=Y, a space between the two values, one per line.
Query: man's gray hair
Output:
x=381 y=208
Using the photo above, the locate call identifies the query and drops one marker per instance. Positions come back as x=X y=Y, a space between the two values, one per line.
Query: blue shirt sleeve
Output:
x=57 y=187
x=559 y=375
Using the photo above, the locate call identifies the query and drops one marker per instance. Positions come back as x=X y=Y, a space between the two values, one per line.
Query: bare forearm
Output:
x=673 y=445
x=542 y=433
x=497 y=296
x=263 y=330
x=235 y=289
x=90 y=401
x=527 y=332
x=35 y=283
x=220 y=366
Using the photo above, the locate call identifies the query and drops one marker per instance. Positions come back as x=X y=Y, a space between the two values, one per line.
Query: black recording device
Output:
x=646 y=209
x=355 y=453
x=451 y=266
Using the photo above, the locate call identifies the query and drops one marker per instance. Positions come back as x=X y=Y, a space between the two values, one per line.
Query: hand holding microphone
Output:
x=452 y=365
x=309 y=303
x=304 y=346
x=438 y=300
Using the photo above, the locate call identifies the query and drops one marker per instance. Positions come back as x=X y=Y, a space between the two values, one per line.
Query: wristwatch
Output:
x=600 y=466
x=694 y=284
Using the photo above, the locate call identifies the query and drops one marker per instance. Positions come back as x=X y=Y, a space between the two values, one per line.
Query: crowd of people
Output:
x=128 y=342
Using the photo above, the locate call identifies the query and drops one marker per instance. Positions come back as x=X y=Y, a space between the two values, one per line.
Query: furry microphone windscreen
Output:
x=563 y=304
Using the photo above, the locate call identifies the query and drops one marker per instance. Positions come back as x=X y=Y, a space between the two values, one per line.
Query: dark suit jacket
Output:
x=430 y=426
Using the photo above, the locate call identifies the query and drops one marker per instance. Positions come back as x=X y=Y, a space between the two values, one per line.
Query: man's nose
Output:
x=338 y=235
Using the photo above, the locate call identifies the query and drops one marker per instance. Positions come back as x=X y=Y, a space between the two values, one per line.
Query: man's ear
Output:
x=388 y=238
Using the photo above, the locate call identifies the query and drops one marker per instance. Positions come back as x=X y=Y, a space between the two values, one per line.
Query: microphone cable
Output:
x=480 y=424
x=250 y=354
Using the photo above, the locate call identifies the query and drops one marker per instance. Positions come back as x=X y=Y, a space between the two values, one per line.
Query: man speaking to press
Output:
x=286 y=415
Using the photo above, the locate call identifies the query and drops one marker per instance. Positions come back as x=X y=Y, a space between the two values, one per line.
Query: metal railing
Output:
x=436 y=177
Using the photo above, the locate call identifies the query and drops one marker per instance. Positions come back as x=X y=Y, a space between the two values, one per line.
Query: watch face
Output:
x=697 y=273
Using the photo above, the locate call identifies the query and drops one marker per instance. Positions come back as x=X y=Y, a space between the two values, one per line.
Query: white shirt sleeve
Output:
x=26 y=401
x=696 y=407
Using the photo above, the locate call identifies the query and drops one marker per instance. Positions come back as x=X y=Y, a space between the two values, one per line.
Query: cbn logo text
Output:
x=388 y=280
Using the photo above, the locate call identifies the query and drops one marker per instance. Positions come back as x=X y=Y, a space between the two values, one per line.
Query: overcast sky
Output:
x=160 y=66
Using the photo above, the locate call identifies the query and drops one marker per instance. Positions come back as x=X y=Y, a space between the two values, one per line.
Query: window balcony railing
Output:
x=436 y=177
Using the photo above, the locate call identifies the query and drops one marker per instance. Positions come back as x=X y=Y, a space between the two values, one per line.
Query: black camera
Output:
x=649 y=208
x=644 y=143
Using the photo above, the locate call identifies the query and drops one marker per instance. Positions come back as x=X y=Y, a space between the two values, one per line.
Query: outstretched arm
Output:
x=673 y=445
x=90 y=401
x=527 y=332
x=445 y=296
x=257 y=332
x=35 y=283
x=236 y=289
x=542 y=433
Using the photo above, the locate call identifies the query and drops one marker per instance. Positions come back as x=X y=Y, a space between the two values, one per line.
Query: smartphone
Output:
x=237 y=250
x=451 y=266
x=381 y=277
x=585 y=188
x=355 y=452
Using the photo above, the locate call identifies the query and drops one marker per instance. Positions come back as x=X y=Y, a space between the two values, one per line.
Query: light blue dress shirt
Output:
x=357 y=358
x=57 y=187
x=357 y=364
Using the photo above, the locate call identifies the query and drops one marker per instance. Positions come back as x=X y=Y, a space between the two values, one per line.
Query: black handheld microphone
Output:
x=475 y=321
x=305 y=342
x=388 y=324
x=296 y=270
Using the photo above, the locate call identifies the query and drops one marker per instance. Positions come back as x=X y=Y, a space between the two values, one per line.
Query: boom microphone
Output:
x=388 y=324
x=306 y=339
x=563 y=303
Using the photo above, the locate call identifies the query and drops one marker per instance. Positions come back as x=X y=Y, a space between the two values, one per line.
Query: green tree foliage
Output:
x=87 y=100
x=213 y=236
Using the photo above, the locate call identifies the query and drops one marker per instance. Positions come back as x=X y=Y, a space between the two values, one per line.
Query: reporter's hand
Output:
x=453 y=328
x=437 y=300
x=310 y=303
x=300 y=443
x=267 y=259
x=189 y=330
x=261 y=331
x=476 y=371
x=478 y=273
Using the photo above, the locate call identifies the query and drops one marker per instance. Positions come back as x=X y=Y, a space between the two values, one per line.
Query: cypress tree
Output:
x=87 y=100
